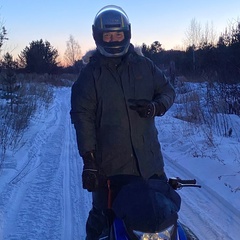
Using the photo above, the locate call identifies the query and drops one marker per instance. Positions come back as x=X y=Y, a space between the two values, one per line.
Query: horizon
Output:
x=151 y=21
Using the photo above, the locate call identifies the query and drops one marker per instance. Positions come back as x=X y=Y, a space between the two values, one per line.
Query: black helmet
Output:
x=110 y=19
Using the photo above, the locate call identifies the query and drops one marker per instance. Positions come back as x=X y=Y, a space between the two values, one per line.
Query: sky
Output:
x=152 y=20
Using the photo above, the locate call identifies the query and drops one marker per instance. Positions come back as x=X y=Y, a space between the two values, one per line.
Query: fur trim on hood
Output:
x=89 y=54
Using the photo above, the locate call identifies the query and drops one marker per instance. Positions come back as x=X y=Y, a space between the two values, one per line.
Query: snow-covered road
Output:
x=41 y=196
x=203 y=210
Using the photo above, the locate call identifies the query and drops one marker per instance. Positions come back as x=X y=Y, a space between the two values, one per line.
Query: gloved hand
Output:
x=146 y=108
x=90 y=174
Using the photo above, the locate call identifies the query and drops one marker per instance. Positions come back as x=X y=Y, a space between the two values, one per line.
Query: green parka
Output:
x=100 y=112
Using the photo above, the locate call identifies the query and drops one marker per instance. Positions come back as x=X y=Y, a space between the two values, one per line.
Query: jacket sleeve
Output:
x=164 y=92
x=83 y=111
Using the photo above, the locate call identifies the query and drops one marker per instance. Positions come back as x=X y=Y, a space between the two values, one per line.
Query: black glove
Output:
x=146 y=108
x=90 y=174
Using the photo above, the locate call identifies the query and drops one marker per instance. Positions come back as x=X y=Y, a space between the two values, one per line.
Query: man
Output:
x=113 y=105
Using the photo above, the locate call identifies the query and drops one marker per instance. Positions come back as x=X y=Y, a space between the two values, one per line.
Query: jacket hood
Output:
x=86 y=58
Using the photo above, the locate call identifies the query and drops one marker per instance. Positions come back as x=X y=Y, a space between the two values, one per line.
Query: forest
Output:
x=205 y=57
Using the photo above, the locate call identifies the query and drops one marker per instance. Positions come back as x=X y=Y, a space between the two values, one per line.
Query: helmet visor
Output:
x=111 y=18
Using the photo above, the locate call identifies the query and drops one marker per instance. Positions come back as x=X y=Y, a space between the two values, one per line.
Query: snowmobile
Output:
x=169 y=229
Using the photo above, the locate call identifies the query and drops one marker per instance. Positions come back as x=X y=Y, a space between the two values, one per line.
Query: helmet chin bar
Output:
x=114 y=49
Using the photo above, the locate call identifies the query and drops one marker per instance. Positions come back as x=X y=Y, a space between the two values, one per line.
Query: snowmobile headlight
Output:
x=164 y=235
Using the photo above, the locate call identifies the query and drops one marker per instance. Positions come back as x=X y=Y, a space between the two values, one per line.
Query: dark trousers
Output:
x=97 y=220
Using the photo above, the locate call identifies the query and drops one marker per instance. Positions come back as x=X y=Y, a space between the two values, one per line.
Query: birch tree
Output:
x=73 y=51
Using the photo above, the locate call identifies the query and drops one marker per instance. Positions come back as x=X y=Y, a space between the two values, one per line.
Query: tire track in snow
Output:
x=76 y=201
x=65 y=159
x=198 y=206
x=81 y=199
x=12 y=197
x=35 y=144
x=36 y=198
x=45 y=199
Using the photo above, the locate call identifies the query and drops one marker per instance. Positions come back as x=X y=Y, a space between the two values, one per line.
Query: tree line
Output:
x=41 y=57
x=203 y=58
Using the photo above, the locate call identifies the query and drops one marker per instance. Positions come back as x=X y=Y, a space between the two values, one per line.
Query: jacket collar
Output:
x=96 y=55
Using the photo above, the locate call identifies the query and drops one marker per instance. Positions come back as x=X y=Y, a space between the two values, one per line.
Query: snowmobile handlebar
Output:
x=178 y=183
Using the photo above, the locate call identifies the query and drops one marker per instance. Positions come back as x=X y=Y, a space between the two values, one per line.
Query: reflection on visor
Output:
x=111 y=7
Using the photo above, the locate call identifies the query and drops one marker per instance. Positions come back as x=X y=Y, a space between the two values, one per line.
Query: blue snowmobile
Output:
x=140 y=212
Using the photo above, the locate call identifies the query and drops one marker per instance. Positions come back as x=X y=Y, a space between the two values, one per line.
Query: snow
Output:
x=41 y=195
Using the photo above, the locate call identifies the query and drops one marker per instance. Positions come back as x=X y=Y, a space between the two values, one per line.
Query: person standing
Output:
x=113 y=104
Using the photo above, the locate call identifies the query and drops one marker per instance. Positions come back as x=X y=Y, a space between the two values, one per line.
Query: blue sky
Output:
x=151 y=20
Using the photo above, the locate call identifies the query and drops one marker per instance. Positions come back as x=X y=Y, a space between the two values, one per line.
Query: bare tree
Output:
x=209 y=35
x=193 y=34
x=3 y=33
x=197 y=36
x=73 y=52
